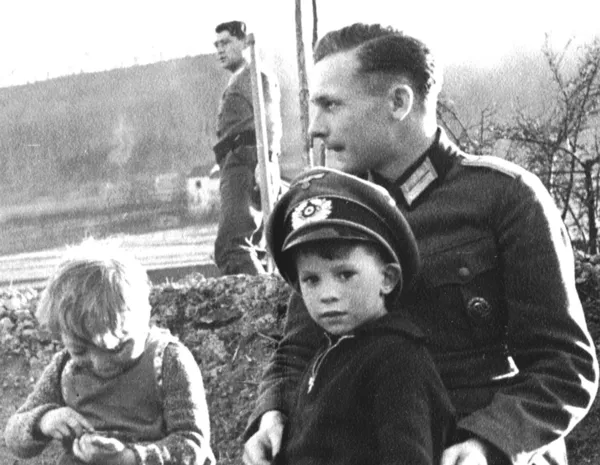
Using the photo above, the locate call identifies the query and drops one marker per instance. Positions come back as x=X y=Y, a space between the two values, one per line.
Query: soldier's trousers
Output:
x=239 y=236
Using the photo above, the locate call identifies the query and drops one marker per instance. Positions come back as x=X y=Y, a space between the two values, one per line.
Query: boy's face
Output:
x=110 y=354
x=345 y=292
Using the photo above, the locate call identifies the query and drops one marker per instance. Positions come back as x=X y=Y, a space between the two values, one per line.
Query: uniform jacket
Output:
x=180 y=436
x=236 y=111
x=496 y=299
x=373 y=396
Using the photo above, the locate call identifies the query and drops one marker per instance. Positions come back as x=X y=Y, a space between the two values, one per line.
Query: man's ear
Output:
x=392 y=276
x=402 y=99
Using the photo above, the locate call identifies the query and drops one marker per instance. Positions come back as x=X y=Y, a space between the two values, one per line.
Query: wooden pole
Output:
x=267 y=196
x=303 y=81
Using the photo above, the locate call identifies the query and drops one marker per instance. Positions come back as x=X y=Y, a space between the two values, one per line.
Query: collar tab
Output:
x=421 y=178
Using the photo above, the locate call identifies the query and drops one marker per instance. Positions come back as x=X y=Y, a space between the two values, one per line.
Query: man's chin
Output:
x=338 y=161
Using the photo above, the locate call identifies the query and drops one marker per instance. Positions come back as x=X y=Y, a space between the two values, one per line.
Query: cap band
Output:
x=335 y=210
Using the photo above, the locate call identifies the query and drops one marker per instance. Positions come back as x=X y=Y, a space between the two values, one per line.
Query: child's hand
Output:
x=64 y=422
x=96 y=449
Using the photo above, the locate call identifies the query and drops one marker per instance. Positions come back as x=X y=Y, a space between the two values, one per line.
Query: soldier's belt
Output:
x=223 y=147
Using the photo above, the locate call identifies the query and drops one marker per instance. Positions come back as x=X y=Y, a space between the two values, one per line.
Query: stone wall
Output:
x=231 y=325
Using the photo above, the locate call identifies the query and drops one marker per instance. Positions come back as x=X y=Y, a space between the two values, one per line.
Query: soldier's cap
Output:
x=323 y=204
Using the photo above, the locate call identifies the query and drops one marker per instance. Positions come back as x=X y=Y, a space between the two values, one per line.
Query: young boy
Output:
x=372 y=394
x=120 y=392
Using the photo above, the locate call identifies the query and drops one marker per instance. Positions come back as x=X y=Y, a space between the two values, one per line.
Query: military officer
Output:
x=496 y=296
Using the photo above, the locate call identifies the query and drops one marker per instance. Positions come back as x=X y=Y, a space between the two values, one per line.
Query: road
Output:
x=168 y=254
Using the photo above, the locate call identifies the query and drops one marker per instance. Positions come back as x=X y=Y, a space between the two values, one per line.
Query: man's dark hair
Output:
x=235 y=28
x=385 y=50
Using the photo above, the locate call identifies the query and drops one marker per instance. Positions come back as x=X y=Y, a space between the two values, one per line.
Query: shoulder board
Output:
x=491 y=162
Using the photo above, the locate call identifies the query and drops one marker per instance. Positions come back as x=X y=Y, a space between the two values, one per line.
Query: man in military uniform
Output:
x=239 y=235
x=496 y=297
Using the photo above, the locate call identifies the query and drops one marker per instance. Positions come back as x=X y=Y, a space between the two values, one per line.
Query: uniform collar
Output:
x=425 y=173
x=238 y=71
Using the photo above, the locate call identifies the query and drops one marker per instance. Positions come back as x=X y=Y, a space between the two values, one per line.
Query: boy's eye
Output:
x=346 y=275
x=309 y=279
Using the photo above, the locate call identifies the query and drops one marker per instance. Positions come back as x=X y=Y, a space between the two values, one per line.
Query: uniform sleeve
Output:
x=282 y=375
x=185 y=413
x=547 y=332
x=411 y=411
x=22 y=434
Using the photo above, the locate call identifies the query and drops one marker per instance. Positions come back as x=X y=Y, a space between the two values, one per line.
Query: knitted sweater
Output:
x=184 y=407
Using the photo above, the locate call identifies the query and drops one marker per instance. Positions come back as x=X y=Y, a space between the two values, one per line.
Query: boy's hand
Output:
x=100 y=450
x=64 y=422
x=471 y=452
x=264 y=445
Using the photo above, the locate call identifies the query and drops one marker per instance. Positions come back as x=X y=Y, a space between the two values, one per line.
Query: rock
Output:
x=6 y=324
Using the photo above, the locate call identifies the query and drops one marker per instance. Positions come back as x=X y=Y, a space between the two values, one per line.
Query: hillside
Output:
x=80 y=147
x=77 y=133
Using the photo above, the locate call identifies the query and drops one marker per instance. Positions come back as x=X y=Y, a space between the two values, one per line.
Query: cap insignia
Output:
x=309 y=211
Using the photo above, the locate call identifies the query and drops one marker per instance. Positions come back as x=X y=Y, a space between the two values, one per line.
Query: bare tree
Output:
x=561 y=144
x=477 y=137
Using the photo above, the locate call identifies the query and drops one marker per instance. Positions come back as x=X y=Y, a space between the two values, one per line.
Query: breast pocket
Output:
x=469 y=275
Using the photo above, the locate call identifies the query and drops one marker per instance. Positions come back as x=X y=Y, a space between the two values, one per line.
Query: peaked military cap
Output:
x=324 y=203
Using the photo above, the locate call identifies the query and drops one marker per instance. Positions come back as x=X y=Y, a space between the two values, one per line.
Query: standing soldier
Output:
x=239 y=236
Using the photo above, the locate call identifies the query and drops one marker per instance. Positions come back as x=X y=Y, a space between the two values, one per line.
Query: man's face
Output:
x=343 y=293
x=355 y=125
x=229 y=50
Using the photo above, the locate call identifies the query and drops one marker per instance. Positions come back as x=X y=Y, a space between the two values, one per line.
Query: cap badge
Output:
x=311 y=210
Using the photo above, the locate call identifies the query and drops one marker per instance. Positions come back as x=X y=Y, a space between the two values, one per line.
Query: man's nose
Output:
x=317 y=128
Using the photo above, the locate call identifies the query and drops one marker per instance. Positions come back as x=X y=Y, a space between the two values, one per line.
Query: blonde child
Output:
x=121 y=391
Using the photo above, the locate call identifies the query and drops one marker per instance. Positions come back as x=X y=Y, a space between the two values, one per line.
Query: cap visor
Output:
x=313 y=234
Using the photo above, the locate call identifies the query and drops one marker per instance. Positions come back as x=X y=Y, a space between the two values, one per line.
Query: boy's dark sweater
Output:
x=376 y=398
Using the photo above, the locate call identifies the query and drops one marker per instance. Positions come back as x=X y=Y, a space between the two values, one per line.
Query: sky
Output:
x=41 y=39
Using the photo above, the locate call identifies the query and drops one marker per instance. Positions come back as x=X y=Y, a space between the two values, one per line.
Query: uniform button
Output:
x=479 y=308
x=464 y=272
